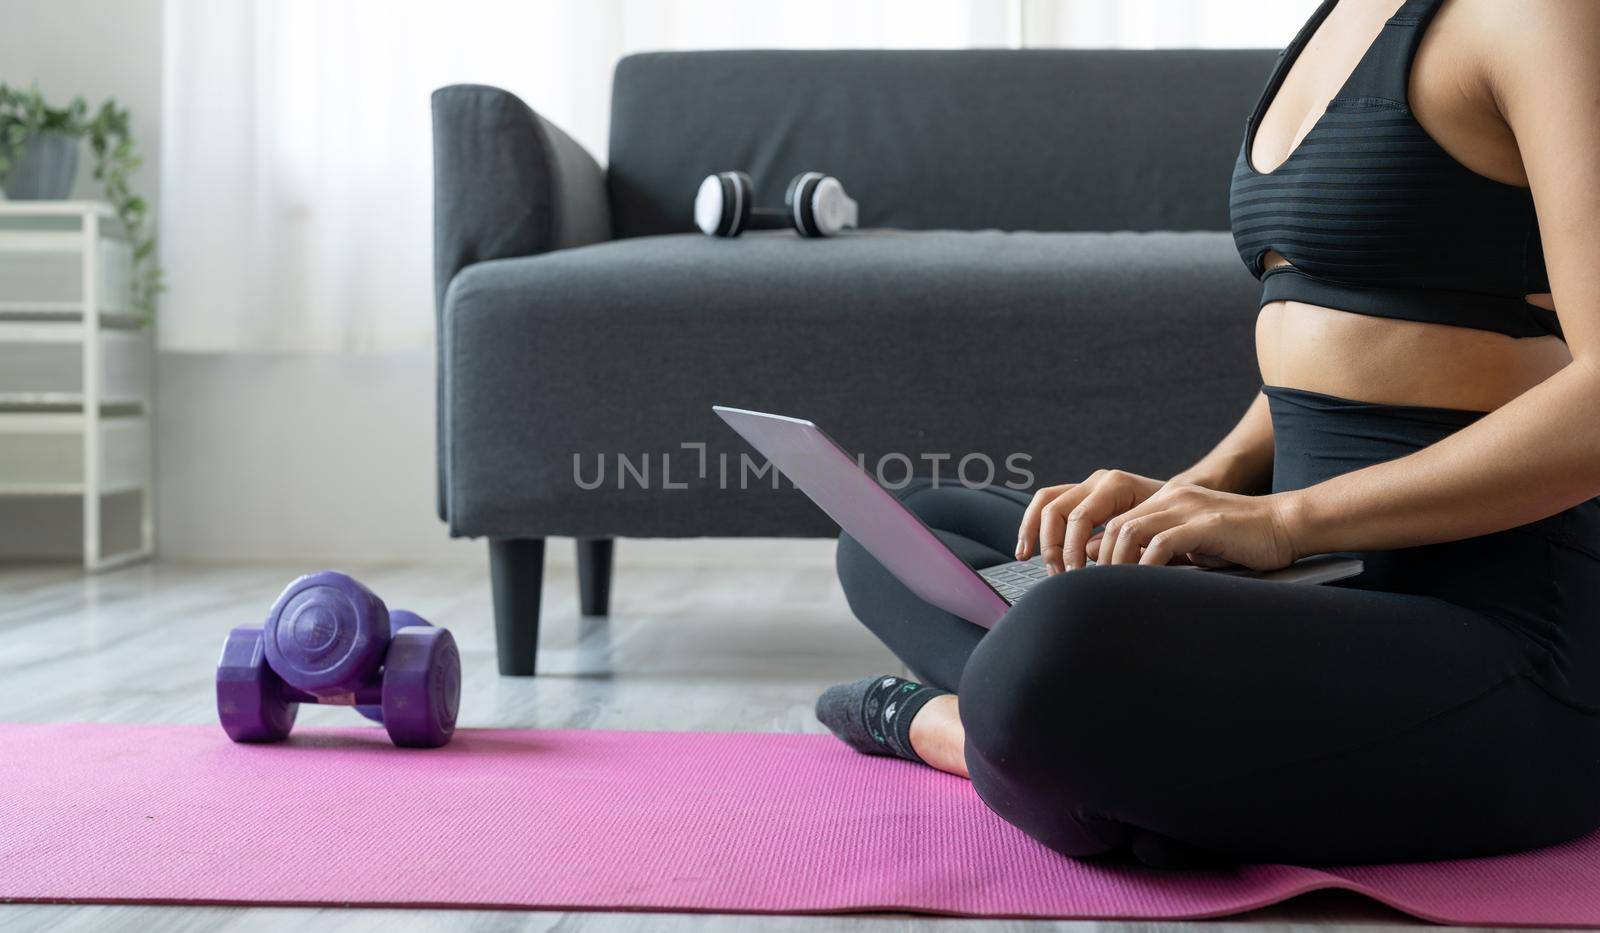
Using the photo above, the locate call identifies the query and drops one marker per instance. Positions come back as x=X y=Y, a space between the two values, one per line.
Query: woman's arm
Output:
x=1242 y=461
x=1540 y=453
x=1531 y=458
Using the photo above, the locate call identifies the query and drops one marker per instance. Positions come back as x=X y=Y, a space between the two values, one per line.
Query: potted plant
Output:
x=39 y=147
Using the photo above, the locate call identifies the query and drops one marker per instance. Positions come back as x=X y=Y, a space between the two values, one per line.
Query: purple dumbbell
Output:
x=329 y=640
x=398 y=619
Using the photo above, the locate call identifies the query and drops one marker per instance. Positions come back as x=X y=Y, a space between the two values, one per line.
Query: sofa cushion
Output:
x=1078 y=350
x=1032 y=139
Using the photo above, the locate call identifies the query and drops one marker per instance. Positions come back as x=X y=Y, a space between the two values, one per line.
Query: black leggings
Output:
x=1445 y=703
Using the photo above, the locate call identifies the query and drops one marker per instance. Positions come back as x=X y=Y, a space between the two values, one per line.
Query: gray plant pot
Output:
x=46 y=169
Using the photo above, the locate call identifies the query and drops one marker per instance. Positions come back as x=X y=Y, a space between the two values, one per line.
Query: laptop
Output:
x=907 y=547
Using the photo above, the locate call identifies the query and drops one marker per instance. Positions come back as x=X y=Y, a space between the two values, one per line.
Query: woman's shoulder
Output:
x=1483 y=66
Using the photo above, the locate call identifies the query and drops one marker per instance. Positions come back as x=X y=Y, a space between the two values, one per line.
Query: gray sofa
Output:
x=1043 y=271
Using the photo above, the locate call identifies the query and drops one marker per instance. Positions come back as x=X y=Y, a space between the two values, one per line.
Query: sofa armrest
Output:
x=506 y=182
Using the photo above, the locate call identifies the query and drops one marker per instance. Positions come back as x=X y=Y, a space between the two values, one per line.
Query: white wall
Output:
x=96 y=49
x=299 y=456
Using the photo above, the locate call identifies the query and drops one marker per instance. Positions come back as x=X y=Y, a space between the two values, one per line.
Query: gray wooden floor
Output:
x=692 y=649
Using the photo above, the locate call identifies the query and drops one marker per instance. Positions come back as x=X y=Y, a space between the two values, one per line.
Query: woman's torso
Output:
x=1464 y=143
x=1409 y=208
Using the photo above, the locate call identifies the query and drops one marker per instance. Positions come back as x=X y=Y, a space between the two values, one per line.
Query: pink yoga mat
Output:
x=619 y=821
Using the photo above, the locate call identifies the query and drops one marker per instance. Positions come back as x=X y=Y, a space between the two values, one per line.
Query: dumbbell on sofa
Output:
x=330 y=640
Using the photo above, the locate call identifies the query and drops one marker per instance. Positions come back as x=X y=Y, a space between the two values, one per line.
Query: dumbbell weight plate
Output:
x=326 y=634
x=398 y=619
x=421 y=687
x=250 y=699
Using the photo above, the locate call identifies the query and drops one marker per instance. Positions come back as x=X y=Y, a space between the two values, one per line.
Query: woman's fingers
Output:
x=1188 y=538
x=1053 y=531
x=1109 y=537
x=1028 y=532
x=1063 y=518
x=1077 y=524
x=1135 y=533
x=1053 y=523
x=1115 y=524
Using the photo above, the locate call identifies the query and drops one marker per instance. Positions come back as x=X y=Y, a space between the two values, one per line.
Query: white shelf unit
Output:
x=76 y=368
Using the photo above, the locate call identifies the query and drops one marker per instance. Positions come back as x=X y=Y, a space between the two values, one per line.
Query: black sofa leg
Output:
x=594 y=574
x=516 y=575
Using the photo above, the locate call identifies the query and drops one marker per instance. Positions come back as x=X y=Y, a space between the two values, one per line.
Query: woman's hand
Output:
x=1206 y=527
x=1063 y=518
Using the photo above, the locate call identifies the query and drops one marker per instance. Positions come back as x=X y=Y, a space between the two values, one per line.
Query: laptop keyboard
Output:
x=1017 y=577
x=1013 y=579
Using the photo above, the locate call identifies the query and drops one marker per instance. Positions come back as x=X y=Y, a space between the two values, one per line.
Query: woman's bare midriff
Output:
x=1398 y=362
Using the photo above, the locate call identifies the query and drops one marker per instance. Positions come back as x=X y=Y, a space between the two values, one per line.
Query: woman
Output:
x=1419 y=190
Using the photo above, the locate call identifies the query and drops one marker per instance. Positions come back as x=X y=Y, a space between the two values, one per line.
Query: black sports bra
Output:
x=1376 y=218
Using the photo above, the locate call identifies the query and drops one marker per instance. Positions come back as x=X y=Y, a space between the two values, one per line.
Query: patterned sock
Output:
x=873 y=716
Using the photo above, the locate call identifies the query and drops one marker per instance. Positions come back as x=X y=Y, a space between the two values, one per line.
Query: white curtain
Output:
x=1229 y=24
x=296 y=170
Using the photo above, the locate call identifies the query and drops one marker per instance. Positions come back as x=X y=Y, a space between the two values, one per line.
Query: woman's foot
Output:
x=939 y=738
x=877 y=716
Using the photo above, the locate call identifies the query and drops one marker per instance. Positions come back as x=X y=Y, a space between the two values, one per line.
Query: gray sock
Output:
x=873 y=716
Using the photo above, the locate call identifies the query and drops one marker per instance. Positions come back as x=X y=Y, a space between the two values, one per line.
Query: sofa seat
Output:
x=1076 y=350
